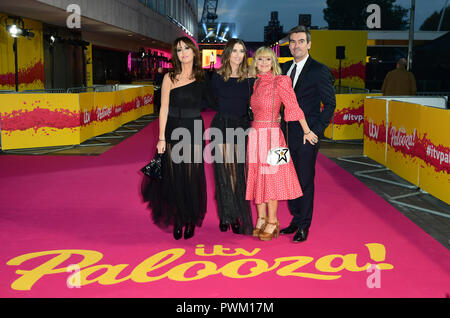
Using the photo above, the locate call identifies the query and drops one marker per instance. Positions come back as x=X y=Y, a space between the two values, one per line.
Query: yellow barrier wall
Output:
x=433 y=152
x=30 y=57
x=43 y=120
x=404 y=124
x=418 y=143
x=39 y=120
x=375 y=129
x=88 y=116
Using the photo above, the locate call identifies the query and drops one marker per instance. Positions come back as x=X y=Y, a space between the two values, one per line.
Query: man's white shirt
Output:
x=300 y=66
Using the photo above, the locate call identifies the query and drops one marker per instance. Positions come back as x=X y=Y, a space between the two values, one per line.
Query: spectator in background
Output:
x=399 y=82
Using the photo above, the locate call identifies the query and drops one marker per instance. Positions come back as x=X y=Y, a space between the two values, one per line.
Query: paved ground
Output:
x=435 y=222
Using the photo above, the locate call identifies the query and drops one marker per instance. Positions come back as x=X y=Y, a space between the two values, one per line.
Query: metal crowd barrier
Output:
x=433 y=94
x=71 y=90
x=44 y=91
x=76 y=90
x=350 y=90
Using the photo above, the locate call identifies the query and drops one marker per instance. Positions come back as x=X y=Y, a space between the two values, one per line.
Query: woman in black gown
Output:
x=232 y=88
x=179 y=199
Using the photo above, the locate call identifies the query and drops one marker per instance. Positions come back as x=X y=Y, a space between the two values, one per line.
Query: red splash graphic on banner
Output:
x=354 y=70
x=7 y=79
x=410 y=145
x=437 y=156
x=26 y=76
x=107 y=113
x=374 y=131
x=39 y=118
x=349 y=116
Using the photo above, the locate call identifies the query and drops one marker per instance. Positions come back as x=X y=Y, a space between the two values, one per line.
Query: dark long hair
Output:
x=225 y=69
x=197 y=71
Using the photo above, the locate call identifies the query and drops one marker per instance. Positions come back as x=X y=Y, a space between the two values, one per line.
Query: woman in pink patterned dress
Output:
x=267 y=184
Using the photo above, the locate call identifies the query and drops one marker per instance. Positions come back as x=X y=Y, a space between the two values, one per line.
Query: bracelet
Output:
x=161 y=140
x=308 y=133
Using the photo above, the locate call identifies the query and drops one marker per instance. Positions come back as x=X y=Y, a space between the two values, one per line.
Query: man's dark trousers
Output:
x=313 y=88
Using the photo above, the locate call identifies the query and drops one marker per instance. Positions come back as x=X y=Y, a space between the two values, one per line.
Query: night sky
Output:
x=251 y=16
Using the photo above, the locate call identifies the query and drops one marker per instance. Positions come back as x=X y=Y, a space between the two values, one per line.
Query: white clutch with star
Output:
x=278 y=156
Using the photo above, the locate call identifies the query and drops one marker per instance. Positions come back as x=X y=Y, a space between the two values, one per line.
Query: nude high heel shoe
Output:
x=265 y=236
x=258 y=230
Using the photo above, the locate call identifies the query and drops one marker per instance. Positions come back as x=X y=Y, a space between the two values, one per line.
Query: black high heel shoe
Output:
x=189 y=231
x=224 y=226
x=177 y=232
x=236 y=228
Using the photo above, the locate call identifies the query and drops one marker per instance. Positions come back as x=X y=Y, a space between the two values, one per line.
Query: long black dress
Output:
x=180 y=197
x=230 y=174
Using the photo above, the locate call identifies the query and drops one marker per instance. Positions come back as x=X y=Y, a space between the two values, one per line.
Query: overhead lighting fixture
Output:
x=14 y=31
x=210 y=33
x=218 y=28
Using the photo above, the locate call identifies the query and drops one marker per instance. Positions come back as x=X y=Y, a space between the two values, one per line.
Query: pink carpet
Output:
x=56 y=211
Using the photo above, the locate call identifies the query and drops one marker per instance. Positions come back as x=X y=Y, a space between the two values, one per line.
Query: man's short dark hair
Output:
x=300 y=29
x=402 y=62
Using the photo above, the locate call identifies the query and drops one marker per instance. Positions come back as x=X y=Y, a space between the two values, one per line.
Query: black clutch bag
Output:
x=154 y=168
x=250 y=113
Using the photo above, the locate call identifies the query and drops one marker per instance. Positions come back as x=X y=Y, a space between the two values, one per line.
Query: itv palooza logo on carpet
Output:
x=169 y=264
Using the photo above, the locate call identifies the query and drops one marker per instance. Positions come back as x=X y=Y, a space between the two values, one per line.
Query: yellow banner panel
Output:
x=149 y=99
x=433 y=152
x=39 y=120
x=107 y=115
x=404 y=124
x=88 y=113
x=89 y=67
x=348 y=119
x=353 y=67
x=375 y=129
x=30 y=57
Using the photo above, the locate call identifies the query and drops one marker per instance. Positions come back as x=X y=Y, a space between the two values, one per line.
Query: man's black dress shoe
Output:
x=292 y=228
x=189 y=231
x=301 y=235
x=177 y=232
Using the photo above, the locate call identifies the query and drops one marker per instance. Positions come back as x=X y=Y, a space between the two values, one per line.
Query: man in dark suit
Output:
x=313 y=85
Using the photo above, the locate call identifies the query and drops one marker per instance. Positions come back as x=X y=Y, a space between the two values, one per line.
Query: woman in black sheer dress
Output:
x=179 y=199
x=233 y=89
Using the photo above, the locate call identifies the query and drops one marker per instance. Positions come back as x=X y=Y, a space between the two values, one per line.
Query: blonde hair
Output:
x=265 y=51
x=225 y=69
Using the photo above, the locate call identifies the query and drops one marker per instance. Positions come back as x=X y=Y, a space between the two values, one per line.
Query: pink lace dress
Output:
x=266 y=182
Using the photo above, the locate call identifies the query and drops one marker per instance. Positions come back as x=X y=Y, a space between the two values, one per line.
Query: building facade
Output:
x=83 y=42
